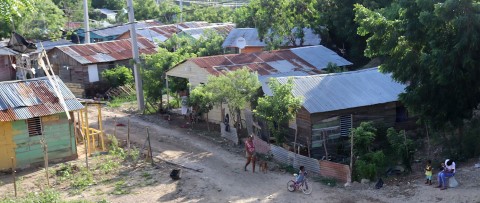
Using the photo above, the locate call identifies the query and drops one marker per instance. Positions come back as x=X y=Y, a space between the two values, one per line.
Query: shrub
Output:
x=118 y=76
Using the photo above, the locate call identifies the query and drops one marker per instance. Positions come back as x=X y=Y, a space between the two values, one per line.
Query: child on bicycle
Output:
x=301 y=175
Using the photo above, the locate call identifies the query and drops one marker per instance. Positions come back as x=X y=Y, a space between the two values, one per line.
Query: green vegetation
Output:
x=279 y=108
x=369 y=160
x=402 y=146
x=118 y=101
x=118 y=76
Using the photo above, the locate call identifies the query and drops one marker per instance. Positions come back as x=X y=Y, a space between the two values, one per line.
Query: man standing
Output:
x=447 y=172
x=250 y=152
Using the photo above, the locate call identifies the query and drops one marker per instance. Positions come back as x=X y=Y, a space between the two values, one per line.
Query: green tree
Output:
x=118 y=76
x=15 y=8
x=146 y=9
x=368 y=161
x=236 y=88
x=202 y=100
x=207 y=45
x=154 y=67
x=279 y=20
x=403 y=147
x=46 y=23
x=212 y=14
x=432 y=47
x=73 y=9
x=169 y=12
x=279 y=108
x=109 y=4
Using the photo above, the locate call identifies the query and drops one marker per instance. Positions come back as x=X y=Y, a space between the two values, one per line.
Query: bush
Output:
x=118 y=76
x=402 y=146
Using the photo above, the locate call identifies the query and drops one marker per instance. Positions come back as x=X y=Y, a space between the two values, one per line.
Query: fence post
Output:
x=45 y=158
x=13 y=174
x=150 y=153
x=128 y=136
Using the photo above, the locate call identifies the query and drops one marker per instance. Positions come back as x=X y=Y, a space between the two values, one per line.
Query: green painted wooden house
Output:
x=31 y=111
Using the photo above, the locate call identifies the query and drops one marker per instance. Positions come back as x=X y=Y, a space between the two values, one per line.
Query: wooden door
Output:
x=7 y=146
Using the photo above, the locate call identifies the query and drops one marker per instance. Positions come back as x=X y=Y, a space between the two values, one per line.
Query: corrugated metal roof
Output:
x=330 y=92
x=265 y=78
x=222 y=29
x=195 y=29
x=310 y=54
x=23 y=99
x=107 y=11
x=252 y=38
x=47 y=45
x=5 y=51
x=107 y=51
x=118 y=30
x=268 y=63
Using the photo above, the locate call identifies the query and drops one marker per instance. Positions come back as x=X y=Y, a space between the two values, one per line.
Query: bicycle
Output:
x=303 y=186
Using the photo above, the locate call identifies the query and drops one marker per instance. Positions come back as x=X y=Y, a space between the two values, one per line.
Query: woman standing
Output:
x=250 y=152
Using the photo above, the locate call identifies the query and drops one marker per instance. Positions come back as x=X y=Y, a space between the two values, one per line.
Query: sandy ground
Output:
x=223 y=178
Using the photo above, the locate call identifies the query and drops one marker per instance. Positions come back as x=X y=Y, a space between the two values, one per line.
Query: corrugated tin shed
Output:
x=107 y=51
x=330 y=92
x=310 y=61
x=252 y=39
x=23 y=99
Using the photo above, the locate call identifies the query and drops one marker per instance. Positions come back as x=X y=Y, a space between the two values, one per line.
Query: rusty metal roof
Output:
x=23 y=99
x=107 y=51
x=310 y=60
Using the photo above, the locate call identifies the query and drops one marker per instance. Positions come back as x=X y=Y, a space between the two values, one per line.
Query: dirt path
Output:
x=223 y=178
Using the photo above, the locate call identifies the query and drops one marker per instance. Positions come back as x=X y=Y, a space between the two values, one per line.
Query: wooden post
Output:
x=87 y=130
x=43 y=141
x=85 y=142
x=13 y=174
x=115 y=126
x=150 y=153
x=128 y=136
x=351 y=147
x=100 y=125
x=325 y=144
x=295 y=142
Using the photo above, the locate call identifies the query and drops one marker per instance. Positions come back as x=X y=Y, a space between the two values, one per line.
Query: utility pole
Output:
x=85 y=22
x=136 y=70
x=181 y=11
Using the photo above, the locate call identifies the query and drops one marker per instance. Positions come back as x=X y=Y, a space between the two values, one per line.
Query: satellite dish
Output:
x=240 y=42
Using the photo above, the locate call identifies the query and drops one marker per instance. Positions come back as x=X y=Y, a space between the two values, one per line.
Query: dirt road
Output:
x=223 y=178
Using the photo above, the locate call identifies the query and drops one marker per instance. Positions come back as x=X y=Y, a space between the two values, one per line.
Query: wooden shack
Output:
x=80 y=65
x=30 y=111
x=334 y=103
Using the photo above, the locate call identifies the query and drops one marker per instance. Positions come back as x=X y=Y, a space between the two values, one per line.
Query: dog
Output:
x=263 y=166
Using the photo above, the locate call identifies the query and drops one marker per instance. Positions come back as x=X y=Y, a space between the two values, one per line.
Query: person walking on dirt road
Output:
x=250 y=152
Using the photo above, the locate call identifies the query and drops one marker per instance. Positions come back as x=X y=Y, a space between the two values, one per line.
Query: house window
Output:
x=34 y=126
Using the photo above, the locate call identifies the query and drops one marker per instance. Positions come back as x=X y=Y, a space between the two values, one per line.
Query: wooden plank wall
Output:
x=59 y=135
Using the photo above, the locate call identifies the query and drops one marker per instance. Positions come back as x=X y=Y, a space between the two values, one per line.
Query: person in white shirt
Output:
x=448 y=171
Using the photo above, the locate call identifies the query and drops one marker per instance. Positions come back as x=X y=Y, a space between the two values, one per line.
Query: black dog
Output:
x=379 y=184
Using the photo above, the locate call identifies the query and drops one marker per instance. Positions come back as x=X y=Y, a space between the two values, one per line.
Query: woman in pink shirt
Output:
x=250 y=152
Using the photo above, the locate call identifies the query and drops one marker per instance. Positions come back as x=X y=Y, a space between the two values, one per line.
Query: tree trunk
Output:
x=208 y=124
x=428 y=141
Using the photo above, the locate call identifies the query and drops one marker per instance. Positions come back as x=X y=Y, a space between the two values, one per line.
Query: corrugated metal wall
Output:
x=287 y=157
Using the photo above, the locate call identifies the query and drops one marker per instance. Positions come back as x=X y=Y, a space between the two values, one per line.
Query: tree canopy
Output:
x=279 y=108
x=432 y=47
x=14 y=8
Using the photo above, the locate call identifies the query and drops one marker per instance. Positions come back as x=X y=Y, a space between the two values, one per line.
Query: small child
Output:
x=428 y=172
x=301 y=175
